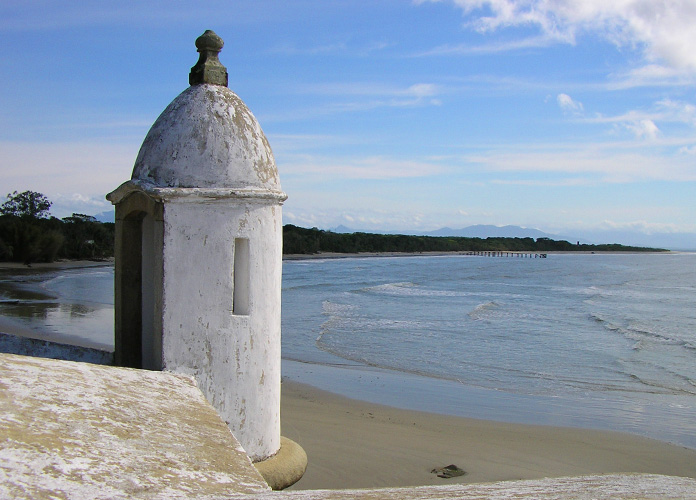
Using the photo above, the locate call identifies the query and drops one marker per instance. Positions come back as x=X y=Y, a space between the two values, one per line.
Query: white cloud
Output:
x=340 y=48
x=62 y=169
x=678 y=111
x=640 y=226
x=489 y=48
x=361 y=218
x=567 y=104
x=654 y=75
x=662 y=31
x=314 y=50
x=643 y=129
x=374 y=167
x=627 y=224
x=368 y=89
x=350 y=97
x=65 y=205
x=643 y=124
x=590 y=164
x=422 y=90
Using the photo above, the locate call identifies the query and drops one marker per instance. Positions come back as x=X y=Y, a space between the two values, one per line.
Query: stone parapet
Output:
x=598 y=487
x=78 y=430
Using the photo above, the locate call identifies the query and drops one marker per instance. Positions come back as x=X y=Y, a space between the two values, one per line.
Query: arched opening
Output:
x=129 y=290
x=137 y=336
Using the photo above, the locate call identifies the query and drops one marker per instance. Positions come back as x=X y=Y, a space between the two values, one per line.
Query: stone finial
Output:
x=208 y=69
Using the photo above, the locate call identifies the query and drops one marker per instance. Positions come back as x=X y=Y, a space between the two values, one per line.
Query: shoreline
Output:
x=58 y=264
x=337 y=255
x=73 y=264
x=23 y=286
x=355 y=444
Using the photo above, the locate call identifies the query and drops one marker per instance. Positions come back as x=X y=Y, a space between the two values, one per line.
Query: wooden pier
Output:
x=528 y=255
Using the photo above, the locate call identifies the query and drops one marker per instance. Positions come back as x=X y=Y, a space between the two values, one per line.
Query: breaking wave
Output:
x=483 y=310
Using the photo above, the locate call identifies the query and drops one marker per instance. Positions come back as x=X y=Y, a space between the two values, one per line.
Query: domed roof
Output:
x=207 y=137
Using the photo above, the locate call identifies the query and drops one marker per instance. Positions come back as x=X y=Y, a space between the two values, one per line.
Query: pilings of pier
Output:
x=487 y=253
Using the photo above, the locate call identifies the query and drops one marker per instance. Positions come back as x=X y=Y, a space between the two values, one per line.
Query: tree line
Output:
x=298 y=240
x=29 y=234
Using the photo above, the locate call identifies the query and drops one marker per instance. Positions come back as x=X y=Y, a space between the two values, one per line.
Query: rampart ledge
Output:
x=79 y=430
x=596 y=487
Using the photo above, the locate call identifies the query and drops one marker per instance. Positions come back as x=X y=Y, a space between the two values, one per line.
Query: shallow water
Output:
x=72 y=306
x=603 y=341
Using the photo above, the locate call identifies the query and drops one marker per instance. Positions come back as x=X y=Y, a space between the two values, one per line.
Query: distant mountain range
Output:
x=672 y=241
x=487 y=231
x=108 y=216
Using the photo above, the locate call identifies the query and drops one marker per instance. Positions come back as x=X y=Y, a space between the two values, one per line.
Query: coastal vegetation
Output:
x=29 y=234
x=297 y=240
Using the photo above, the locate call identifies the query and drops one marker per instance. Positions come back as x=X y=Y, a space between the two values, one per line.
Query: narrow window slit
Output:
x=240 y=298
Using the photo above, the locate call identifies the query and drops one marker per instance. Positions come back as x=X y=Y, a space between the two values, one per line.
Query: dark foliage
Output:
x=86 y=238
x=27 y=235
x=298 y=240
x=27 y=240
x=27 y=204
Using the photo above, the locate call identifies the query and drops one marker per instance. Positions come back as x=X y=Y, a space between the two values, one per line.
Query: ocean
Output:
x=587 y=340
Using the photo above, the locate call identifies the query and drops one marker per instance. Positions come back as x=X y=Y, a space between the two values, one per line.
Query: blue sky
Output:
x=566 y=116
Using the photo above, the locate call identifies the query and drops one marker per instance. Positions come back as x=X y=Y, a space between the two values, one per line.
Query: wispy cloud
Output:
x=369 y=89
x=568 y=105
x=591 y=164
x=67 y=204
x=640 y=226
x=353 y=97
x=651 y=75
x=662 y=31
x=344 y=47
x=643 y=124
x=289 y=49
x=488 y=48
x=363 y=219
x=62 y=169
x=643 y=129
x=293 y=143
x=372 y=167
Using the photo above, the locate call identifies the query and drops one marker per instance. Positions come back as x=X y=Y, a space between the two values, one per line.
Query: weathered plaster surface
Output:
x=614 y=487
x=208 y=165
x=207 y=138
x=235 y=358
x=26 y=346
x=83 y=431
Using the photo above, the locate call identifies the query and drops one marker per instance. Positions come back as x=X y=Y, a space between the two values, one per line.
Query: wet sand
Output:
x=21 y=290
x=353 y=444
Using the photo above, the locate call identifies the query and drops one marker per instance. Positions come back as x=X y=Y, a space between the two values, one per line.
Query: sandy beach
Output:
x=353 y=444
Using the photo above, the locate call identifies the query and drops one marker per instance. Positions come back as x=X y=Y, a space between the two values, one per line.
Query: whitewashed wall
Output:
x=234 y=357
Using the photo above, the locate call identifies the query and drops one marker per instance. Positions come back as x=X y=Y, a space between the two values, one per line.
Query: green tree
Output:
x=23 y=231
x=27 y=204
x=86 y=238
